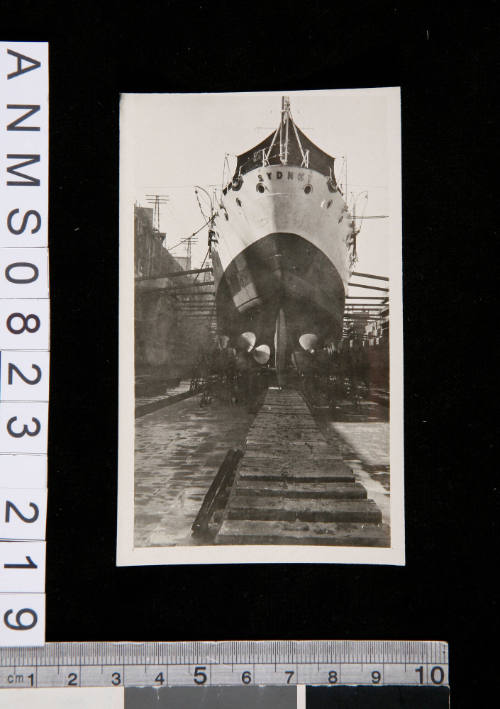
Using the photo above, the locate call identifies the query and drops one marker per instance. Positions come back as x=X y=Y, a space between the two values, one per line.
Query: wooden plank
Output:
x=311 y=462
x=369 y=275
x=258 y=460
x=309 y=477
x=362 y=285
x=219 y=483
x=293 y=489
x=331 y=534
x=284 y=421
x=266 y=448
x=271 y=508
x=263 y=426
x=302 y=418
x=293 y=437
x=283 y=410
x=297 y=464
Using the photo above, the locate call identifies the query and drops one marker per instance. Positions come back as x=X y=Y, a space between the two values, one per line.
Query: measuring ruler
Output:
x=202 y=664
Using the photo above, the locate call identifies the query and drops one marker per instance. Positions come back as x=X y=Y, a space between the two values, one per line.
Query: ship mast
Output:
x=285 y=120
x=284 y=130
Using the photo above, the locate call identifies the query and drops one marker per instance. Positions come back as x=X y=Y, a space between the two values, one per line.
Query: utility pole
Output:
x=156 y=200
x=189 y=242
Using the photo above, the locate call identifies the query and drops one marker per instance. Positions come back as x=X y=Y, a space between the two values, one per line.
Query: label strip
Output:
x=24 y=339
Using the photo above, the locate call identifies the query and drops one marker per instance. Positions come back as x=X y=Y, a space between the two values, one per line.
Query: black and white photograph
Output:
x=261 y=370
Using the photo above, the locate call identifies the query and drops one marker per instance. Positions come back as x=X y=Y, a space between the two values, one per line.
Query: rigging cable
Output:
x=191 y=235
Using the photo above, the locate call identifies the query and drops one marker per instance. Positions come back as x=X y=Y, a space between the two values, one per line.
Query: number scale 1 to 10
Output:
x=322 y=662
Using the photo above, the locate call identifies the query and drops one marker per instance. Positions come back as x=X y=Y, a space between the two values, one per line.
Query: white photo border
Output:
x=127 y=554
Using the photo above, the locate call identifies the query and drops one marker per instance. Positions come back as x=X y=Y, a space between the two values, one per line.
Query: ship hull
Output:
x=281 y=272
x=283 y=238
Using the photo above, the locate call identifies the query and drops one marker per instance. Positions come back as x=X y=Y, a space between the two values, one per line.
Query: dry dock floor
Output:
x=179 y=449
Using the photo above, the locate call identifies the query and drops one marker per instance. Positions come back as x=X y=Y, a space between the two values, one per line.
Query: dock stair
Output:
x=292 y=487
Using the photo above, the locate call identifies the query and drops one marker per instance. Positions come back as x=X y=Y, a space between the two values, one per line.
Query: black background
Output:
x=445 y=63
x=384 y=698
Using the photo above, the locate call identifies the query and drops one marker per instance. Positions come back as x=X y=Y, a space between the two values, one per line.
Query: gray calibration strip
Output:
x=321 y=662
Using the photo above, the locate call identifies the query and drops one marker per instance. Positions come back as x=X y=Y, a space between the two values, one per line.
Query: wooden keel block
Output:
x=311 y=510
x=307 y=477
x=292 y=489
x=331 y=534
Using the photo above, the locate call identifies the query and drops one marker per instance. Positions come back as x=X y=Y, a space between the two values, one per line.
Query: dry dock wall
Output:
x=167 y=344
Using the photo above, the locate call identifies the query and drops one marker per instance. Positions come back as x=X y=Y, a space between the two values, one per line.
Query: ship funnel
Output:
x=261 y=354
x=308 y=342
x=246 y=341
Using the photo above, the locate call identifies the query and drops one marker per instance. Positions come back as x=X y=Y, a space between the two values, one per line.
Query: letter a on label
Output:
x=33 y=64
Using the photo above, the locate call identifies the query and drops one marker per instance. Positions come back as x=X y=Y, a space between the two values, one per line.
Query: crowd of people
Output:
x=324 y=375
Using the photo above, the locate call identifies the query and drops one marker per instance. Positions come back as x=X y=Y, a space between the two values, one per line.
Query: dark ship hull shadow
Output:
x=282 y=280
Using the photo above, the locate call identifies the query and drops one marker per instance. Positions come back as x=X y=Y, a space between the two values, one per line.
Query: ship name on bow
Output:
x=279 y=175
